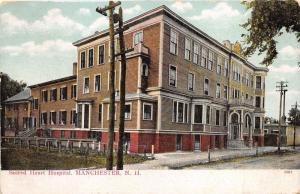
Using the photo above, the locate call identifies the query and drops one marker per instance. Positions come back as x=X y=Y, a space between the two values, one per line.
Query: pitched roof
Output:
x=24 y=95
x=72 y=77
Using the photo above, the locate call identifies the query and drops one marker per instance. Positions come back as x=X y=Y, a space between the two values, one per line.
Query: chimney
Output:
x=75 y=68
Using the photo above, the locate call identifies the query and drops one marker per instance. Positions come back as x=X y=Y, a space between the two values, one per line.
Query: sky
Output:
x=36 y=38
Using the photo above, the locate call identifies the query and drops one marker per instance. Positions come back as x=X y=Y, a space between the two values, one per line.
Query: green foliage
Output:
x=10 y=87
x=294 y=116
x=269 y=19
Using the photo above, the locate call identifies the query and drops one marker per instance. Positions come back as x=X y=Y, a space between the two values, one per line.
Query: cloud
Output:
x=285 y=69
x=84 y=11
x=290 y=51
x=220 y=11
x=181 y=6
x=97 y=25
x=53 y=21
x=46 y=48
x=133 y=10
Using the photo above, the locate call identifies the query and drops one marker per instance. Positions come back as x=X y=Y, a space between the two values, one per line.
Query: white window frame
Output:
x=60 y=93
x=176 y=44
x=225 y=67
x=133 y=37
x=130 y=104
x=207 y=87
x=83 y=91
x=89 y=58
x=196 y=53
x=103 y=54
x=219 y=117
x=202 y=117
x=218 y=91
x=170 y=75
x=95 y=83
x=145 y=119
x=60 y=116
x=72 y=91
x=225 y=86
x=42 y=115
x=204 y=54
x=219 y=65
x=43 y=96
x=85 y=64
x=193 y=82
x=186 y=40
x=210 y=60
x=52 y=117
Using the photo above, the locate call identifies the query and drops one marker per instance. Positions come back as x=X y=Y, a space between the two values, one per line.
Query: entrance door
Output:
x=178 y=142
x=197 y=142
x=127 y=141
x=235 y=132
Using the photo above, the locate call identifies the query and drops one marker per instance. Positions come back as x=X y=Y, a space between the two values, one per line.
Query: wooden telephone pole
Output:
x=282 y=85
x=112 y=20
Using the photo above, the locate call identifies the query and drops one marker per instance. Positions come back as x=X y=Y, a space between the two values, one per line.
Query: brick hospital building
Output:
x=184 y=90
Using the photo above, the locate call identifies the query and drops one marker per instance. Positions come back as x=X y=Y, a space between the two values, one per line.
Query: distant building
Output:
x=184 y=90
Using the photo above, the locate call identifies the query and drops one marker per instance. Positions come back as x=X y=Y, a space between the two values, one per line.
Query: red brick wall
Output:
x=205 y=141
x=167 y=142
x=187 y=142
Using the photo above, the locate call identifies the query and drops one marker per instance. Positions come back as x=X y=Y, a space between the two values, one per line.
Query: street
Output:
x=286 y=161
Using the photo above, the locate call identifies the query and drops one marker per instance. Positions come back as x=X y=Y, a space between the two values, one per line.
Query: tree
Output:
x=269 y=19
x=9 y=88
x=294 y=116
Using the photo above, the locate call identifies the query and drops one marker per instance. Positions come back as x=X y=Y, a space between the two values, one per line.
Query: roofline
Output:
x=18 y=101
x=53 y=81
x=168 y=12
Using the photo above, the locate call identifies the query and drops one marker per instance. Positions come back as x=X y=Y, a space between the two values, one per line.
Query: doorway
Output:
x=197 y=143
x=178 y=142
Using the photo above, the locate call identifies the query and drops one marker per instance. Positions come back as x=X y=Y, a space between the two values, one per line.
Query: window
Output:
x=257 y=122
x=62 y=117
x=247 y=80
x=97 y=84
x=74 y=91
x=101 y=54
x=44 y=118
x=218 y=91
x=91 y=57
x=82 y=60
x=172 y=75
x=187 y=49
x=100 y=113
x=86 y=85
x=218 y=117
x=73 y=117
x=257 y=101
x=53 y=94
x=147 y=111
x=196 y=53
x=144 y=69
x=225 y=92
x=64 y=93
x=127 y=111
x=45 y=95
x=206 y=86
x=86 y=109
x=35 y=104
x=207 y=114
x=72 y=134
x=79 y=116
x=62 y=134
x=25 y=122
x=210 y=60
x=191 y=79
x=198 y=113
x=204 y=57
x=173 y=42
x=219 y=65
x=180 y=112
x=258 y=82
x=226 y=68
x=263 y=102
x=137 y=38
x=225 y=118
x=52 y=118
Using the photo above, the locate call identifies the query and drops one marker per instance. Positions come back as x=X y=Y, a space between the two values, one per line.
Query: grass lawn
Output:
x=13 y=158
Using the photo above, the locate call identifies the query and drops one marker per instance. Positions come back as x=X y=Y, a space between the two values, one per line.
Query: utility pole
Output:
x=1 y=132
x=282 y=85
x=113 y=18
x=295 y=119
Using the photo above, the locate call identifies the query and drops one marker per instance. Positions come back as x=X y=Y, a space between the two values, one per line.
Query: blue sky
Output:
x=36 y=38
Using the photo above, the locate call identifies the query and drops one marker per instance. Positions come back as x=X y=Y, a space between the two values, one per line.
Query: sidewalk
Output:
x=176 y=160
